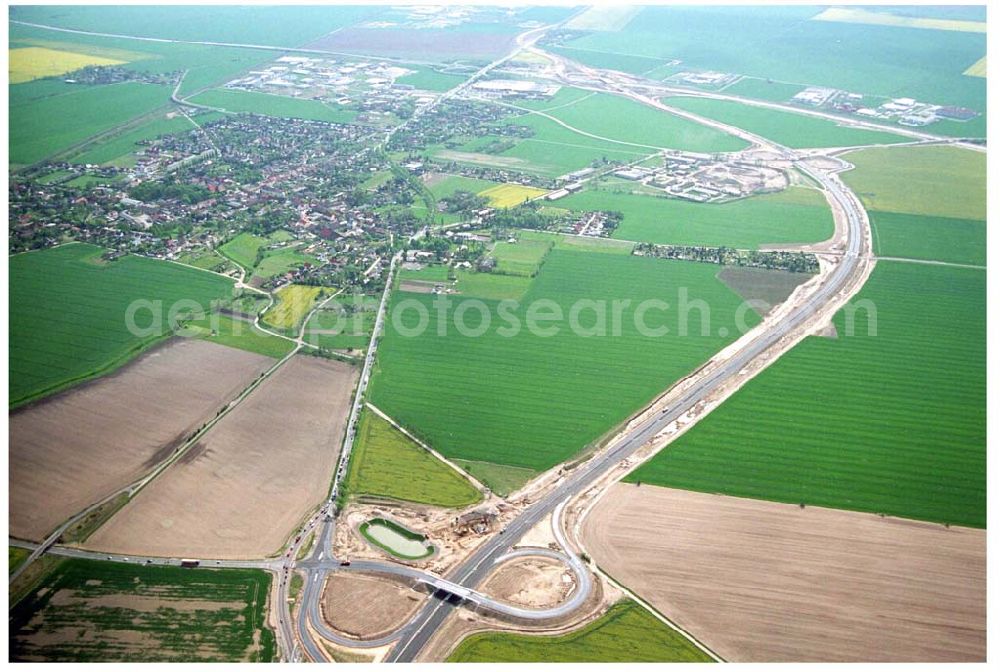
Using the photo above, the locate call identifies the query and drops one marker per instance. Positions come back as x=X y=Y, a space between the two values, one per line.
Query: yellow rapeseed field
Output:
x=858 y=15
x=977 y=69
x=28 y=63
x=507 y=195
x=294 y=302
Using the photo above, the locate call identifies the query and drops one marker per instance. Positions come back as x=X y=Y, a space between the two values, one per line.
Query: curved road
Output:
x=464 y=579
x=321 y=561
x=470 y=573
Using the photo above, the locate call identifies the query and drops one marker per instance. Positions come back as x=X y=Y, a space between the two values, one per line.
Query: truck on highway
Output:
x=188 y=562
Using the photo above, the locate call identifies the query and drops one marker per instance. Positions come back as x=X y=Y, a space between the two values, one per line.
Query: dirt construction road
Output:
x=760 y=581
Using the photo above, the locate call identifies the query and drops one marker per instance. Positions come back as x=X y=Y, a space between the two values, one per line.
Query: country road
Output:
x=472 y=572
x=709 y=380
x=761 y=346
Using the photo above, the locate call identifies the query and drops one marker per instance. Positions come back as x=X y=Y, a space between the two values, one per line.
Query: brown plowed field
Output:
x=760 y=581
x=73 y=449
x=368 y=606
x=240 y=492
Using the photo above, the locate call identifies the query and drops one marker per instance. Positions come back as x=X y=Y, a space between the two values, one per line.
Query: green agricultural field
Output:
x=763 y=89
x=427 y=79
x=580 y=243
x=432 y=273
x=530 y=400
x=893 y=423
x=626 y=120
x=273 y=105
x=958 y=241
x=43 y=127
x=933 y=181
x=55 y=177
x=243 y=249
x=552 y=151
x=785 y=128
x=87 y=181
x=500 y=478
x=281 y=236
x=275 y=26
x=639 y=65
x=126 y=143
x=205 y=65
x=90 y=611
x=492 y=286
x=68 y=313
x=564 y=96
x=281 y=261
x=449 y=184
x=206 y=259
x=16 y=556
x=386 y=463
x=522 y=258
x=627 y=633
x=796 y=215
x=237 y=333
x=354 y=330
x=924 y=202
x=783 y=44
x=557 y=151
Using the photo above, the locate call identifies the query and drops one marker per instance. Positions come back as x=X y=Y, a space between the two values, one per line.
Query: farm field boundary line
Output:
x=287 y=631
x=139 y=484
x=661 y=90
x=574 y=533
x=235 y=45
x=906 y=260
x=464 y=474
x=114 y=131
x=136 y=486
x=759 y=349
x=683 y=91
x=574 y=129
x=932 y=262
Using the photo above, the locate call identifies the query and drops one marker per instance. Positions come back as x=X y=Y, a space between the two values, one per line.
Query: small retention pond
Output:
x=395 y=539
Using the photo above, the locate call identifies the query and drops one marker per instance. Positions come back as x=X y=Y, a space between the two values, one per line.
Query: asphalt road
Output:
x=474 y=570
x=468 y=575
x=322 y=561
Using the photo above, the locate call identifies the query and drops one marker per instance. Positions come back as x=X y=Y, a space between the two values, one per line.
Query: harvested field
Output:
x=242 y=490
x=388 y=604
x=757 y=581
x=71 y=450
x=530 y=582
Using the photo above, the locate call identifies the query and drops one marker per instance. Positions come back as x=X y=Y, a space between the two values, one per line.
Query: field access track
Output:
x=70 y=450
x=238 y=492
